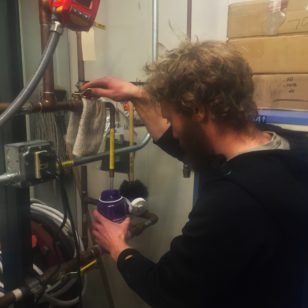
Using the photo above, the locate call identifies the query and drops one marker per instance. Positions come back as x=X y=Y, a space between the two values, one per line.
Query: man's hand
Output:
x=120 y=90
x=109 y=235
x=114 y=88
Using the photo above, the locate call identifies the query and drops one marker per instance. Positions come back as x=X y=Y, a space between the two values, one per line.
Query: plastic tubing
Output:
x=57 y=216
x=26 y=92
x=51 y=214
x=61 y=303
x=65 y=303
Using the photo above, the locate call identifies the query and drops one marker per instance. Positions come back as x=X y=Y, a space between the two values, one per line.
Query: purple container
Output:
x=113 y=206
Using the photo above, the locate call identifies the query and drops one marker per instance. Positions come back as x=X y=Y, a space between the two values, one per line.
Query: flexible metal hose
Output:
x=26 y=92
x=52 y=299
x=97 y=157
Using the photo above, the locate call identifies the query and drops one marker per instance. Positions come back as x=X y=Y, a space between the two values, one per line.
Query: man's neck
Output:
x=230 y=142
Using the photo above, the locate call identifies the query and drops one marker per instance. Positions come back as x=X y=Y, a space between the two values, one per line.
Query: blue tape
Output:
x=282 y=117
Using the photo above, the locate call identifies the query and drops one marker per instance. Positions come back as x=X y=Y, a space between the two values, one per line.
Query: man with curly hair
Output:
x=245 y=243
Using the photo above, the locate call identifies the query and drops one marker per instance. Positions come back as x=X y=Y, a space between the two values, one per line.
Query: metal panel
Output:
x=15 y=231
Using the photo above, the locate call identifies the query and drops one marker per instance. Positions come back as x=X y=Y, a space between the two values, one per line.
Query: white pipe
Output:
x=154 y=30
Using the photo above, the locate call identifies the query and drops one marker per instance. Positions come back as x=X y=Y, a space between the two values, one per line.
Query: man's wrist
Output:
x=116 y=251
x=140 y=96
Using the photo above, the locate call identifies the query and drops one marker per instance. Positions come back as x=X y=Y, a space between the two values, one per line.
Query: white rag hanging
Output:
x=86 y=130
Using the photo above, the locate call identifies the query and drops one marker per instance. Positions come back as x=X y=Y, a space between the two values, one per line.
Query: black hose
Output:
x=74 y=230
x=26 y=92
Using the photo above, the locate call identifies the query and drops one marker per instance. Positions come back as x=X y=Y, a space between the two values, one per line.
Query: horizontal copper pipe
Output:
x=46 y=107
x=81 y=68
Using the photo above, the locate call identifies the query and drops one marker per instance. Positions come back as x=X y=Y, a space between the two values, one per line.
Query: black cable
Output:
x=57 y=237
x=74 y=230
x=67 y=214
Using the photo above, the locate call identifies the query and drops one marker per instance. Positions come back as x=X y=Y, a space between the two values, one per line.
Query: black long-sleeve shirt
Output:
x=245 y=244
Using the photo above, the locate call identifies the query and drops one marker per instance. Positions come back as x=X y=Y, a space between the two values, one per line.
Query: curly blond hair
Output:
x=212 y=74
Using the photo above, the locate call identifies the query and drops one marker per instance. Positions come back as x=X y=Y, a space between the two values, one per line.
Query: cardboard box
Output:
x=281 y=91
x=275 y=54
x=267 y=17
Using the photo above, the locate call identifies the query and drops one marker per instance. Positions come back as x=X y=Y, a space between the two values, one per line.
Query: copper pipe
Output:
x=81 y=70
x=47 y=107
x=48 y=95
x=85 y=199
x=137 y=228
x=84 y=209
x=91 y=201
x=83 y=170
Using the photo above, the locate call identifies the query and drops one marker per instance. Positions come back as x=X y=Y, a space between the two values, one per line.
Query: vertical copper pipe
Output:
x=131 y=172
x=83 y=171
x=85 y=200
x=84 y=207
x=81 y=70
x=48 y=79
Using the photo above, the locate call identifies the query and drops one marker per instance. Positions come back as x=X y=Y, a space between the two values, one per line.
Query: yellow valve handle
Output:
x=111 y=146
x=88 y=266
x=67 y=164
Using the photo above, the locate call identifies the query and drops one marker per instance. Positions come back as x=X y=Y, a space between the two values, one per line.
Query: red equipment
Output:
x=77 y=15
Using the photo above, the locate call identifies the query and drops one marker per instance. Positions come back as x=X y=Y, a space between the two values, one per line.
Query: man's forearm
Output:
x=150 y=114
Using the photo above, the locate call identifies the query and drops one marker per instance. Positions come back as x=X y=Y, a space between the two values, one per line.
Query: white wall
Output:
x=209 y=19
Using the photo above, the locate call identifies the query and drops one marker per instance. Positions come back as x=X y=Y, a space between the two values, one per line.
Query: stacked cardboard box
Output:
x=272 y=35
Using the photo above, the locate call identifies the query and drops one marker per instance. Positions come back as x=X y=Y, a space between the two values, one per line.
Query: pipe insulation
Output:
x=56 y=31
